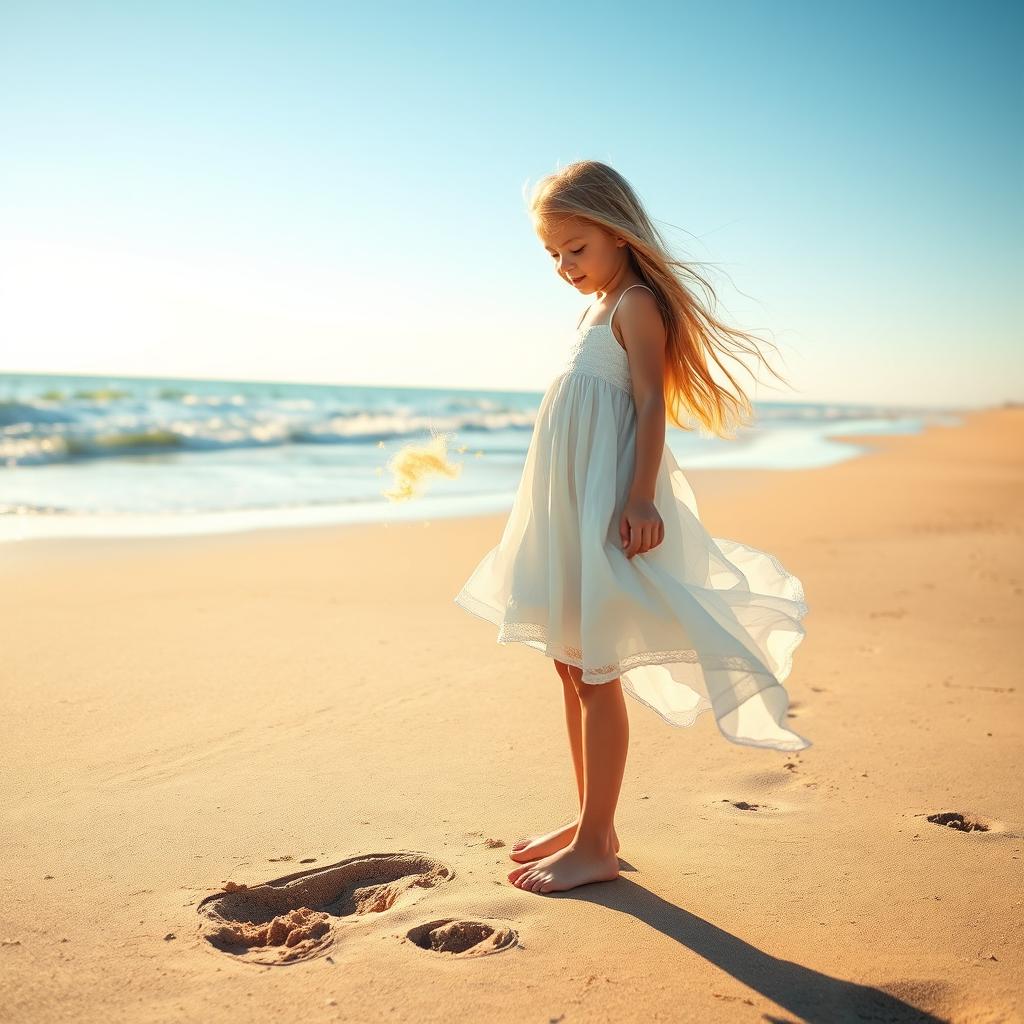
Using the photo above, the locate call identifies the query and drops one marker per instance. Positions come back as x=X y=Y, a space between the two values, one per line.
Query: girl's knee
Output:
x=570 y=675
x=574 y=676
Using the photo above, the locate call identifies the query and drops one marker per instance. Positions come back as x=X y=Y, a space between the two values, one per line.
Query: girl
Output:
x=604 y=564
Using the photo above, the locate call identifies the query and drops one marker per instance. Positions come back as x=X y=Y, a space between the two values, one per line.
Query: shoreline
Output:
x=715 y=484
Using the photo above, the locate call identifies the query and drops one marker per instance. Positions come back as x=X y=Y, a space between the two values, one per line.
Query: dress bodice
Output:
x=597 y=352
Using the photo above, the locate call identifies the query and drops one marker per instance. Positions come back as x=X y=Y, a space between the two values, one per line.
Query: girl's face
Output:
x=584 y=254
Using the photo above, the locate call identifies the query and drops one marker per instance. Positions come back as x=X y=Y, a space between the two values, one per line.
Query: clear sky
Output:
x=333 y=192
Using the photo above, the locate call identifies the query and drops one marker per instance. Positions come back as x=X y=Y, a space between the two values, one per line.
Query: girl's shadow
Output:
x=808 y=994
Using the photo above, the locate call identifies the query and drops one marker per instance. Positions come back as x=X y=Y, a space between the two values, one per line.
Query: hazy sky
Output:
x=333 y=192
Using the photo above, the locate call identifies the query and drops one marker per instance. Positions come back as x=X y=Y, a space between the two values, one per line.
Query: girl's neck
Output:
x=614 y=290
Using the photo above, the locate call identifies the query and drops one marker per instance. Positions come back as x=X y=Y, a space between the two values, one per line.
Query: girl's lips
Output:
x=576 y=280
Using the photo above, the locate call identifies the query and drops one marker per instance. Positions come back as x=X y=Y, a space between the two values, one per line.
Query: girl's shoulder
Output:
x=632 y=289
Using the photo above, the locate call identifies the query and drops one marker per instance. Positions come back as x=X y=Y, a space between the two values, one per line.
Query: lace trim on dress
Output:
x=529 y=632
x=534 y=635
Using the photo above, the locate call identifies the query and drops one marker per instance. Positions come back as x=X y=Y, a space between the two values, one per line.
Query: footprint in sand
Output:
x=749 y=805
x=743 y=805
x=463 y=939
x=777 y=810
x=295 y=917
x=795 y=709
x=986 y=828
x=963 y=822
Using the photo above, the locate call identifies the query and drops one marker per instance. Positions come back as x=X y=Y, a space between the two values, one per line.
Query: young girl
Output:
x=604 y=564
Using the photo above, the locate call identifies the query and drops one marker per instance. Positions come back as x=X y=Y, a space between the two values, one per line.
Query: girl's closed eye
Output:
x=575 y=252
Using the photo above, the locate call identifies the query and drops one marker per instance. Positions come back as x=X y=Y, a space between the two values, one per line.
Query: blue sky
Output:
x=334 y=192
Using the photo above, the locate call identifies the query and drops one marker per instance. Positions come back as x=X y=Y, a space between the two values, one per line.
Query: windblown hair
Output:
x=595 y=192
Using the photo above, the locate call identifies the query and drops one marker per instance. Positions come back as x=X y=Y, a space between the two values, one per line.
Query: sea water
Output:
x=83 y=455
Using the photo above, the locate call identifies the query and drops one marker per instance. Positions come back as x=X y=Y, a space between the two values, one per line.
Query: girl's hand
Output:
x=640 y=527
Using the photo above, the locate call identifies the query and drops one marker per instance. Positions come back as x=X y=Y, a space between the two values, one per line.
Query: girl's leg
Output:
x=574 y=724
x=540 y=846
x=605 y=745
x=590 y=857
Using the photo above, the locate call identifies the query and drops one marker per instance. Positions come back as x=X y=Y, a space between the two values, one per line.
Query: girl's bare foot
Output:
x=565 y=869
x=542 y=846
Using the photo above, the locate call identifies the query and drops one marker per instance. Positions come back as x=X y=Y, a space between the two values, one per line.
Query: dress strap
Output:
x=583 y=315
x=612 y=317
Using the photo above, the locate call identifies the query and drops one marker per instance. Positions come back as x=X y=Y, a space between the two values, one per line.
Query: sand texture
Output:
x=276 y=776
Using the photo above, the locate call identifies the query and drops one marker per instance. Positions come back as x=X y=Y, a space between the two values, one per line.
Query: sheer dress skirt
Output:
x=697 y=623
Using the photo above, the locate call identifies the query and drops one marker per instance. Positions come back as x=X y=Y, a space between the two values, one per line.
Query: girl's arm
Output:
x=644 y=338
x=650 y=444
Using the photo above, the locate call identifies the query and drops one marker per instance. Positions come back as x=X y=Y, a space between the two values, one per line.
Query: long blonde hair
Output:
x=595 y=192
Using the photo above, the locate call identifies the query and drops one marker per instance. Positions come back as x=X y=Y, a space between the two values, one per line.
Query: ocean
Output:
x=131 y=456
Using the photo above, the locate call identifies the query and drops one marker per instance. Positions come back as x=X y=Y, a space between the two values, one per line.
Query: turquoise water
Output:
x=121 y=455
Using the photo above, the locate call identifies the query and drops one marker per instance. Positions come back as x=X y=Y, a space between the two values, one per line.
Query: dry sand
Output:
x=185 y=716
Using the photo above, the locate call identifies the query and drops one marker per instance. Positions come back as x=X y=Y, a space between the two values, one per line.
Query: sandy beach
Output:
x=188 y=718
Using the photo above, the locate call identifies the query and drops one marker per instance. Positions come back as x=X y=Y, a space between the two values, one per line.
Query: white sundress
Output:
x=697 y=623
